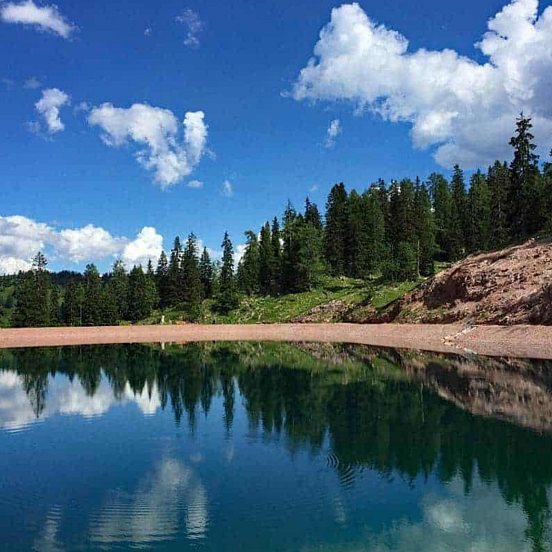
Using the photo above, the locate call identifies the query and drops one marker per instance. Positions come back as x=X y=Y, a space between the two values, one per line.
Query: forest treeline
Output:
x=396 y=231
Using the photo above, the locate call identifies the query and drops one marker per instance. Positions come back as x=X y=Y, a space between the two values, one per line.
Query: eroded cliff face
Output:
x=506 y=287
x=515 y=390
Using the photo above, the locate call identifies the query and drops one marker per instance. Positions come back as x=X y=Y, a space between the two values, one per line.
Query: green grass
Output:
x=285 y=308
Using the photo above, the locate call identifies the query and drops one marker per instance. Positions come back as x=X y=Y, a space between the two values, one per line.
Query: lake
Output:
x=276 y=447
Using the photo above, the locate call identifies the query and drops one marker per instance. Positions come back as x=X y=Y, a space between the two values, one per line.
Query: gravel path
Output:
x=514 y=341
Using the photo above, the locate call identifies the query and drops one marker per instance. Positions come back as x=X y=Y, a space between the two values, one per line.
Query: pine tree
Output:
x=162 y=279
x=337 y=229
x=443 y=207
x=206 y=274
x=498 y=179
x=92 y=307
x=34 y=296
x=312 y=215
x=249 y=266
x=118 y=289
x=359 y=236
x=139 y=303
x=266 y=261
x=191 y=282
x=288 y=268
x=227 y=297
x=458 y=220
x=276 y=240
x=55 y=317
x=479 y=213
x=523 y=208
x=308 y=258
x=174 y=291
x=73 y=305
x=377 y=250
x=425 y=232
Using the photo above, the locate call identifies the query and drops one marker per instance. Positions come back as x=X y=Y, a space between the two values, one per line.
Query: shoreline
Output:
x=505 y=341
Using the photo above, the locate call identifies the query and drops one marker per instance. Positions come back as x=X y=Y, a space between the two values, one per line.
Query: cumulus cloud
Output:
x=331 y=134
x=158 y=131
x=43 y=18
x=88 y=242
x=82 y=106
x=21 y=238
x=195 y=184
x=227 y=188
x=193 y=24
x=147 y=245
x=48 y=107
x=464 y=109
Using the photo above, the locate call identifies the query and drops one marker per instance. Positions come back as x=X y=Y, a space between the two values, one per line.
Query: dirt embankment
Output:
x=507 y=287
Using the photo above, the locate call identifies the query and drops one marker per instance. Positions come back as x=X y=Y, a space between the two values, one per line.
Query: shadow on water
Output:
x=402 y=414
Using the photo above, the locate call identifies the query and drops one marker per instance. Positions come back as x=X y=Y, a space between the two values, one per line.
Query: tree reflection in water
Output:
x=402 y=414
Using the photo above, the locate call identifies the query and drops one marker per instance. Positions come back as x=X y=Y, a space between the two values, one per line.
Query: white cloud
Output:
x=332 y=133
x=313 y=188
x=88 y=242
x=147 y=31
x=195 y=184
x=239 y=253
x=465 y=109
x=21 y=238
x=193 y=24
x=49 y=105
x=227 y=188
x=147 y=245
x=158 y=131
x=45 y=18
x=82 y=106
x=32 y=83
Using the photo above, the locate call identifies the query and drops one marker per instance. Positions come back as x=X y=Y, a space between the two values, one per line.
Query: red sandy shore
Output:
x=510 y=341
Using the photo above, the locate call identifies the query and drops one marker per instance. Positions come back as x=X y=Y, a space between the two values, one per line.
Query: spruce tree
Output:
x=162 y=279
x=523 y=207
x=498 y=179
x=266 y=261
x=276 y=240
x=337 y=229
x=425 y=232
x=443 y=207
x=73 y=305
x=479 y=213
x=227 y=297
x=359 y=236
x=142 y=294
x=92 y=307
x=249 y=266
x=308 y=257
x=458 y=220
x=377 y=250
x=206 y=274
x=118 y=289
x=288 y=266
x=174 y=291
x=191 y=282
x=312 y=215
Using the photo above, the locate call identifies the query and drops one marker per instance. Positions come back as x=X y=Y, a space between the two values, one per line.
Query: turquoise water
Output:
x=251 y=447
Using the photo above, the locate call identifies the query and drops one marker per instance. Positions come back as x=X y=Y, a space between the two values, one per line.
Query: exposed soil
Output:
x=507 y=287
x=518 y=341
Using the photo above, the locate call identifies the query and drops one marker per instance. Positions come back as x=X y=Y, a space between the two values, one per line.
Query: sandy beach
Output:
x=508 y=341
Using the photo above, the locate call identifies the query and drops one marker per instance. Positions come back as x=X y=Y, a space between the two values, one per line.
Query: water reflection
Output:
x=473 y=434
x=153 y=512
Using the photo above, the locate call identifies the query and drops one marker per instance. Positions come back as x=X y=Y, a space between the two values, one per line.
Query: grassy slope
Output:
x=288 y=307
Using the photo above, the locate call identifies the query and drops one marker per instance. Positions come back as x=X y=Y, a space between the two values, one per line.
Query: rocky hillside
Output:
x=506 y=287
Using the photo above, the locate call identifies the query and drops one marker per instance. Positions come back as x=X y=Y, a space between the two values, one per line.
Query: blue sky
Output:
x=264 y=130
